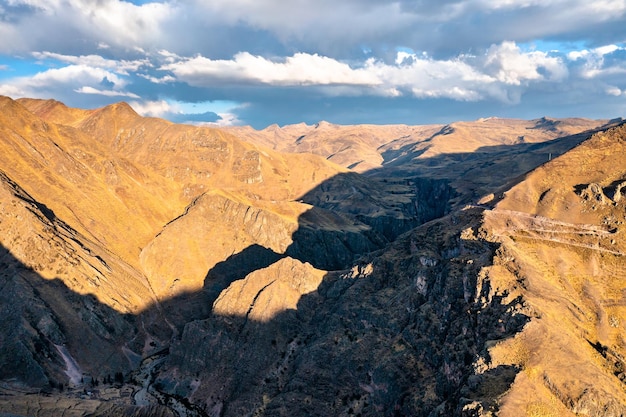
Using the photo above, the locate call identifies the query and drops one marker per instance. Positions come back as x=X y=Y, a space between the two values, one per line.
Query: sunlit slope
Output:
x=196 y=158
x=129 y=182
x=104 y=197
x=366 y=147
x=563 y=250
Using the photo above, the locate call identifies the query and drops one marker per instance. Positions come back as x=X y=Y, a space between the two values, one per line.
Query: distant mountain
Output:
x=366 y=147
x=152 y=268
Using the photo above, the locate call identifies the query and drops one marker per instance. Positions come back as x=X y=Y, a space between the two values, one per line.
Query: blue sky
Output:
x=354 y=61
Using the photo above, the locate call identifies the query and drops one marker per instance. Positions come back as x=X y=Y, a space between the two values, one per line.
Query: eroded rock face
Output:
x=177 y=260
x=565 y=250
x=367 y=341
x=619 y=192
x=594 y=193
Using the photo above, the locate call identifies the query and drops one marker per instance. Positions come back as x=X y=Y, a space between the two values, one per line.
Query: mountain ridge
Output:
x=221 y=277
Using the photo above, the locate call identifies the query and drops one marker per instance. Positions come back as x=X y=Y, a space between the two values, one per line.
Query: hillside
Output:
x=150 y=268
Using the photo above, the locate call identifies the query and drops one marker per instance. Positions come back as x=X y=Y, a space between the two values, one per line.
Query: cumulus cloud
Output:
x=299 y=69
x=158 y=80
x=512 y=66
x=342 y=29
x=57 y=81
x=597 y=62
x=226 y=119
x=465 y=77
x=156 y=108
x=12 y=91
x=336 y=29
x=62 y=24
x=177 y=112
x=73 y=74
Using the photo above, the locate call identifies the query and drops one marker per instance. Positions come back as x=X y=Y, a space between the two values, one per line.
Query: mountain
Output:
x=151 y=268
x=366 y=147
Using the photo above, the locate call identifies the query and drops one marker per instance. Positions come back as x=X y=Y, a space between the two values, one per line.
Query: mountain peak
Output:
x=120 y=109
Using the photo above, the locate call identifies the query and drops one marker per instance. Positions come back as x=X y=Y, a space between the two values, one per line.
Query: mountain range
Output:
x=152 y=268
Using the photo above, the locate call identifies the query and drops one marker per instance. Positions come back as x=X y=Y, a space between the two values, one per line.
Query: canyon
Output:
x=151 y=268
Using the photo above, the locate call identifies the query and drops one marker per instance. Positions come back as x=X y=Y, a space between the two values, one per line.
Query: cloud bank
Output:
x=352 y=61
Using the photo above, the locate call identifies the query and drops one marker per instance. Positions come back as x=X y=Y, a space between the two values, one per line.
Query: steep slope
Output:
x=178 y=164
x=562 y=234
x=58 y=327
x=197 y=159
x=372 y=340
x=137 y=212
x=101 y=194
x=469 y=159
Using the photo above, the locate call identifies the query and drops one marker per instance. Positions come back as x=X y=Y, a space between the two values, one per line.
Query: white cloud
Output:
x=57 y=81
x=593 y=62
x=12 y=91
x=615 y=91
x=163 y=109
x=595 y=54
x=299 y=69
x=168 y=56
x=606 y=49
x=609 y=7
x=157 y=108
x=340 y=30
x=320 y=50
x=498 y=74
x=103 y=23
x=510 y=65
x=107 y=93
x=96 y=61
x=225 y=119
x=73 y=74
x=328 y=26
x=158 y=80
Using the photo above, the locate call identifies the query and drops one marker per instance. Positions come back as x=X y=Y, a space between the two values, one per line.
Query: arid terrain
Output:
x=157 y=269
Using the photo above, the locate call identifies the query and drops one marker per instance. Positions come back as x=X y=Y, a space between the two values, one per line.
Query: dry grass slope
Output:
x=563 y=250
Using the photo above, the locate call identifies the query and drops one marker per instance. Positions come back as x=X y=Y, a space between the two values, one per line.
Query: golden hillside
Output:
x=563 y=251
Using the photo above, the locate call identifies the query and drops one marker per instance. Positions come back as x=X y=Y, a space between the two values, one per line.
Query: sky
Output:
x=263 y=62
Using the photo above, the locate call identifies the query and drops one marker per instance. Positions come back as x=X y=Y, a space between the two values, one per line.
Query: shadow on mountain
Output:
x=386 y=332
x=41 y=318
x=394 y=335
x=487 y=170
